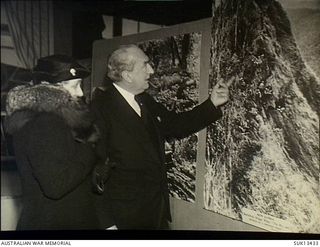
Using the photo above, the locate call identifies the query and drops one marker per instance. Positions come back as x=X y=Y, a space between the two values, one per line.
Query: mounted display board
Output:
x=263 y=156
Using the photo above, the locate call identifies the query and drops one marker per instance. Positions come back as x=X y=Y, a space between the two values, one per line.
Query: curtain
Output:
x=31 y=28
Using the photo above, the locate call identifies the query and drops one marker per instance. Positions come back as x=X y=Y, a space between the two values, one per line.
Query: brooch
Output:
x=73 y=71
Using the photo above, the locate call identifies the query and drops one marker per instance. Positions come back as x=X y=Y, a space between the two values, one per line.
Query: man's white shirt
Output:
x=129 y=97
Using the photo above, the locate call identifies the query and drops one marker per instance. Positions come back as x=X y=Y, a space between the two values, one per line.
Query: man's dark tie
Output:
x=147 y=119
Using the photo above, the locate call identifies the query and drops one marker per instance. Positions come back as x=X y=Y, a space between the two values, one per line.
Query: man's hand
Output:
x=220 y=92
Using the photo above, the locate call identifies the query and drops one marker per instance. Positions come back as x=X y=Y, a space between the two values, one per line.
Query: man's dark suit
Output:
x=137 y=188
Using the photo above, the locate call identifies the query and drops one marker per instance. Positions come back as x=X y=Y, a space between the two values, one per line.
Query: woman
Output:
x=53 y=137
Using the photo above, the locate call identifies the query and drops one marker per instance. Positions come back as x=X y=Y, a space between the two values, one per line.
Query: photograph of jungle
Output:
x=262 y=157
x=175 y=84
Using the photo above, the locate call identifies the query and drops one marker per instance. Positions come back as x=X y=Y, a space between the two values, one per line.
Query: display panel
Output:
x=262 y=158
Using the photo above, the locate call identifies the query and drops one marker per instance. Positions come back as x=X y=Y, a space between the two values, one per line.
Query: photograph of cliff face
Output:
x=175 y=84
x=262 y=157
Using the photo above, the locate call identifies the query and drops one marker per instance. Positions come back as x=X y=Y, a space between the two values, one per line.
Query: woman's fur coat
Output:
x=26 y=102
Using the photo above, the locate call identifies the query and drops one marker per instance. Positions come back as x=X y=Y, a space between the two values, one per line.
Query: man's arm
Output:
x=185 y=123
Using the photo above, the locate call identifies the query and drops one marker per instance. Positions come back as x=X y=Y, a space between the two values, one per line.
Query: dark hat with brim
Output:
x=57 y=68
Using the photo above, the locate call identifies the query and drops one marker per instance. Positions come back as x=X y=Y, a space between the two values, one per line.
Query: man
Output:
x=134 y=127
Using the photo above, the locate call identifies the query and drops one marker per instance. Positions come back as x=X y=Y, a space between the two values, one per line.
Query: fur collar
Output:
x=25 y=102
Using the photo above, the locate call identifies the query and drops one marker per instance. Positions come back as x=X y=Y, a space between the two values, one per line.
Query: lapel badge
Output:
x=159 y=118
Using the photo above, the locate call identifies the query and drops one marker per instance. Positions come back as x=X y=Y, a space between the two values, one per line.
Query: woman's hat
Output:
x=57 y=68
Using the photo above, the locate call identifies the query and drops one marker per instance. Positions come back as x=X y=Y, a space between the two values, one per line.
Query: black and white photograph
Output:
x=263 y=156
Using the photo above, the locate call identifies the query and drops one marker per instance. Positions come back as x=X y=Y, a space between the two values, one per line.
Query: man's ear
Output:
x=126 y=76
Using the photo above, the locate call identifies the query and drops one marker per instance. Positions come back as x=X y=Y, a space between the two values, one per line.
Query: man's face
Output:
x=141 y=71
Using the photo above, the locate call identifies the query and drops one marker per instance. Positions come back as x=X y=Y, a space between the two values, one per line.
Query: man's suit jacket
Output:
x=138 y=183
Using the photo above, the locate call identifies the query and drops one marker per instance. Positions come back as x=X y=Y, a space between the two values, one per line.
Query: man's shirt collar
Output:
x=129 y=97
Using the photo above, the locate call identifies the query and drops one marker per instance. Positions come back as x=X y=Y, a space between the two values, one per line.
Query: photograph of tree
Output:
x=262 y=157
x=175 y=84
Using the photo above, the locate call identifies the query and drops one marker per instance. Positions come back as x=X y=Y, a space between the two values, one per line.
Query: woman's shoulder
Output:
x=99 y=93
x=28 y=120
x=47 y=119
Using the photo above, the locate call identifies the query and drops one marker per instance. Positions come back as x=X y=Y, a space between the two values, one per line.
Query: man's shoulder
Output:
x=101 y=94
x=147 y=97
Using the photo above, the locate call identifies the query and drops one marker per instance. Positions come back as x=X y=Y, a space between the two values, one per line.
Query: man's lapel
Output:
x=130 y=120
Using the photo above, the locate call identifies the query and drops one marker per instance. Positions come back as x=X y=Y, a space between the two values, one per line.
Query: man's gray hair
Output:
x=120 y=61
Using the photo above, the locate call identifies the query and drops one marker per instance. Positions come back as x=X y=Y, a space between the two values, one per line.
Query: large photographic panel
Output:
x=262 y=157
